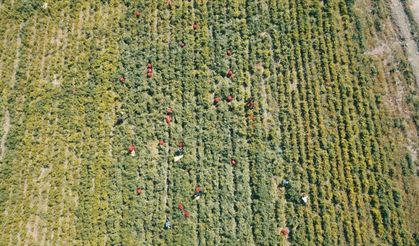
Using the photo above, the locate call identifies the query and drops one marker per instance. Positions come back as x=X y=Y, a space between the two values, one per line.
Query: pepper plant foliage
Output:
x=274 y=101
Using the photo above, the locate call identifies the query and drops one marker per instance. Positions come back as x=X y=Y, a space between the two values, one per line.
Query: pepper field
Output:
x=334 y=115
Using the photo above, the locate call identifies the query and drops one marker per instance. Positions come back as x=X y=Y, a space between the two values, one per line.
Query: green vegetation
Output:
x=321 y=121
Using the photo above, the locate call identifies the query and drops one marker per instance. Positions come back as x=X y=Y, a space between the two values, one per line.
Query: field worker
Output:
x=179 y=152
x=167 y=224
x=197 y=193
x=304 y=198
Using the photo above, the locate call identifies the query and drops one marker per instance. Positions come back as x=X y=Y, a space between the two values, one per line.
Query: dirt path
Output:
x=6 y=122
x=409 y=45
x=6 y=128
x=17 y=56
x=415 y=10
x=402 y=23
x=412 y=52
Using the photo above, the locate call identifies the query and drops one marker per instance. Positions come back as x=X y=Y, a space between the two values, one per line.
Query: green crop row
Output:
x=67 y=176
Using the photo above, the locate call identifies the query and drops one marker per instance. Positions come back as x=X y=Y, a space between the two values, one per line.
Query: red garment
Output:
x=131 y=148
x=285 y=231
x=168 y=119
x=186 y=214
x=250 y=104
x=198 y=189
x=229 y=73
x=251 y=117
x=139 y=191
x=180 y=206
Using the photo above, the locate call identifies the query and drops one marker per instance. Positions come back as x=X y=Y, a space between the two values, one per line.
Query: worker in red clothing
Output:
x=284 y=231
x=230 y=98
x=131 y=149
x=198 y=193
x=186 y=214
x=168 y=117
x=229 y=73
x=250 y=103
x=149 y=70
x=229 y=52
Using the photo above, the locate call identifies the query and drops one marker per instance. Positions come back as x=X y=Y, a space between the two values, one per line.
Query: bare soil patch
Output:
x=409 y=45
x=415 y=10
x=6 y=128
